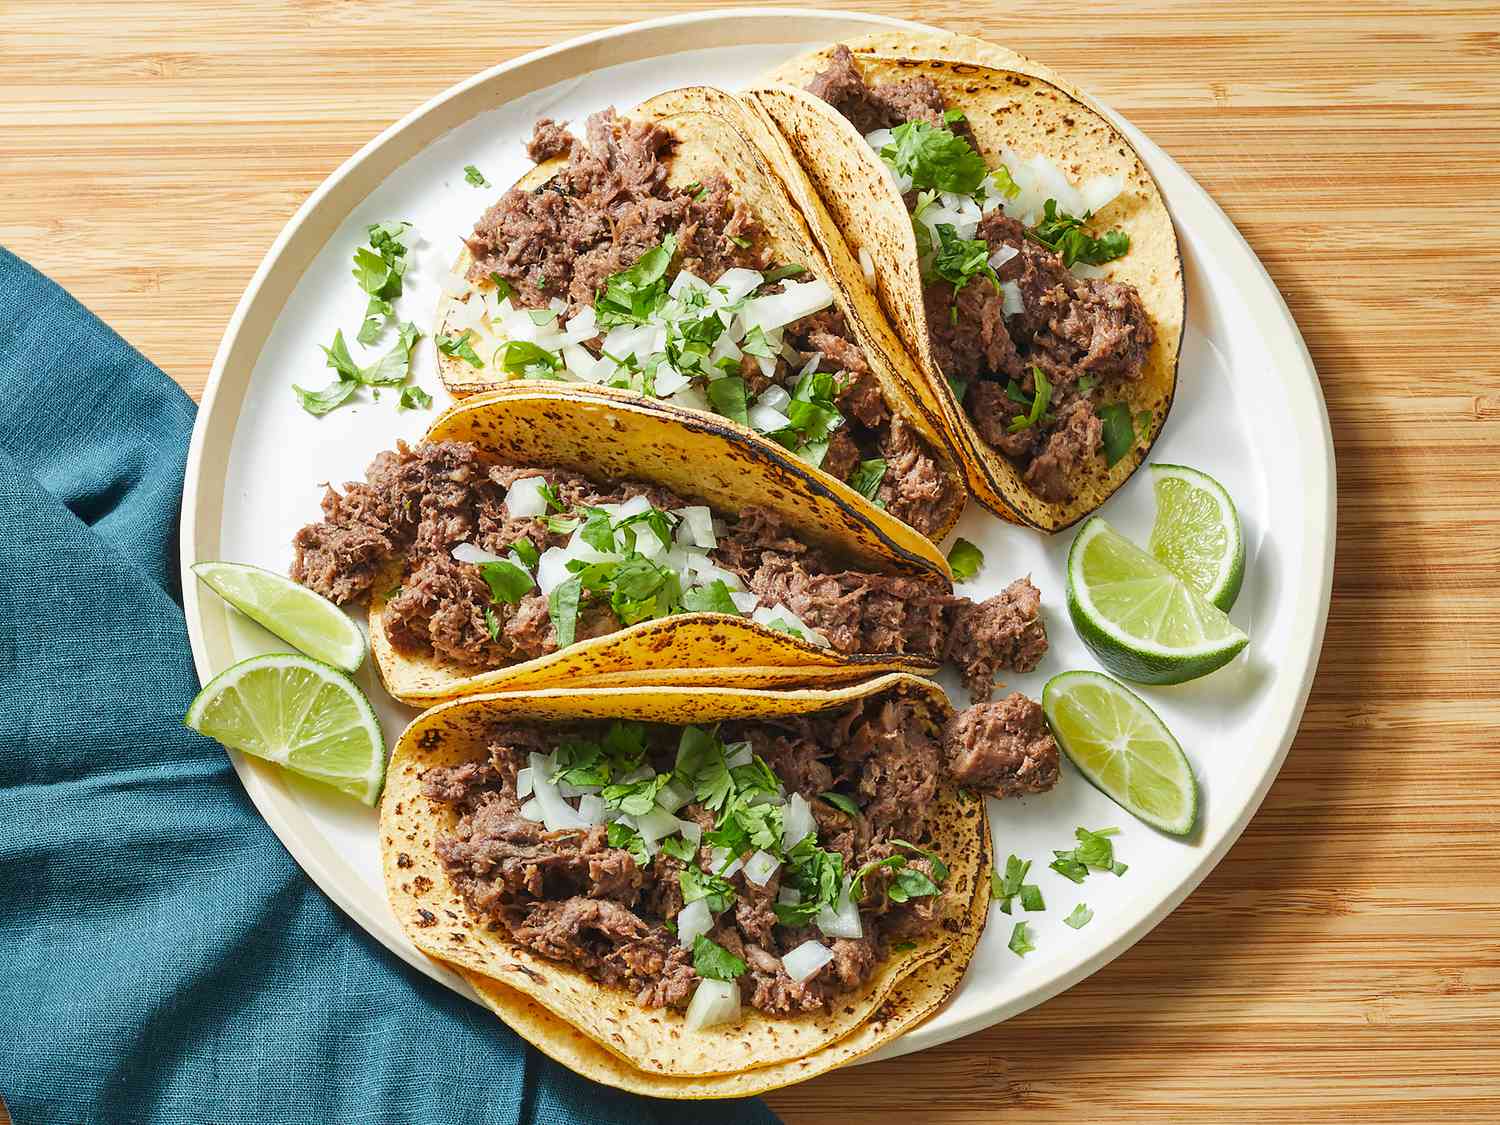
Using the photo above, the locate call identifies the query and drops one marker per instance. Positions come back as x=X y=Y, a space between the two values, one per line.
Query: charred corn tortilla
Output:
x=1009 y=101
x=651 y=1049
x=716 y=134
x=613 y=435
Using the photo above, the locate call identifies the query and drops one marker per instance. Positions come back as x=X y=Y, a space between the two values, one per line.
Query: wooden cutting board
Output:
x=1343 y=963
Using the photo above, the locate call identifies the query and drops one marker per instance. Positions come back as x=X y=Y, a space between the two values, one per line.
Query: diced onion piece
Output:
x=583 y=326
x=741 y=755
x=693 y=398
x=779 y=612
x=879 y=138
x=691 y=831
x=744 y=601
x=468 y=553
x=557 y=814
x=523 y=782
x=804 y=962
x=532 y=811
x=686 y=281
x=788 y=896
x=738 y=282
x=1002 y=255
x=715 y=1002
x=552 y=570
x=697 y=527
x=669 y=380
x=656 y=825
x=723 y=866
x=797 y=300
x=1088 y=270
x=842 y=920
x=797 y=822
x=693 y=919
x=524 y=498
x=467 y=313
x=1010 y=293
x=774 y=397
x=767 y=420
x=580 y=361
x=637 y=505
x=1099 y=192
x=867 y=265
x=673 y=795
x=760 y=867
x=591 y=808
x=569 y=790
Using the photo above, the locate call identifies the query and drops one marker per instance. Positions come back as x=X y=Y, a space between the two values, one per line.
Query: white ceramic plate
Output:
x=1248 y=410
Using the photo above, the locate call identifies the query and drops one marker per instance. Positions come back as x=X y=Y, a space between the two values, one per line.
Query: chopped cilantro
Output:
x=903 y=947
x=696 y=884
x=910 y=883
x=781 y=273
x=474 y=176
x=742 y=243
x=460 y=347
x=712 y=598
x=549 y=494
x=1095 y=851
x=1020 y=940
x=525 y=550
x=1038 y=406
x=390 y=370
x=379 y=270
x=632 y=295
x=1031 y=898
x=844 y=804
x=960 y=260
x=528 y=360
x=712 y=961
x=680 y=847
x=562 y=607
x=1064 y=233
x=413 y=397
x=508 y=582
x=812 y=416
x=727 y=397
x=623 y=836
x=635 y=798
x=934 y=158
x=491 y=624
x=965 y=559
x=1000 y=177
x=321 y=402
x=1119 y=431
x=502 y=287
x=1080 y=917
x=867 y=477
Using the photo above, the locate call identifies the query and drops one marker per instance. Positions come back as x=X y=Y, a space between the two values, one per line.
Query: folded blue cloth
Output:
x=162 y=959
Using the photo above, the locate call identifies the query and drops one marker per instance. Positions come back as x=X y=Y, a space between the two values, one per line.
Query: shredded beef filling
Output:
x=419 y=502
x=1073 y=329
x=611 y=203
x=571 y=897
x=1003 y=749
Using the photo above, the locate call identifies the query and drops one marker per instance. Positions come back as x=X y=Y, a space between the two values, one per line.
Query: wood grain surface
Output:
x=1343 y=963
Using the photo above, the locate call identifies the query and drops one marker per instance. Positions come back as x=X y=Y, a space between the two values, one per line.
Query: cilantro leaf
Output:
x=1000 y=177
x=1080 y=917
x=581 y=763
x=1031 y=898
x=867 y=477
x=680 y=848
x=528 y=360
x=960 y=260
x=1038 y=406
x=393 y=367
x=623 y=836
x=1020 y=940
x=965 y=559
x=1119 y=431
x=939 y=868
x=632 y=295
x=562 y=608
x=934 y=158
x=700 y=762
x=1065 y=234
x=781 y=273
x=727 y=397
x=414 y=397
x=507 y=582
x=910 y=883
x=844 y=804
x=635 y=798
x=713 y=962
x=321 y=402
x=474 y=176
x=696 y=884
x=712 y=598
x=491 y=624
x=526 y=551
x=460 y=347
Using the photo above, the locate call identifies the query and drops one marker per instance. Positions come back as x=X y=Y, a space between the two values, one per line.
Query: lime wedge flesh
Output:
x=1142 y=621
x=1197 y=535
x=1120 y=745
x=304 y=620
x=299 y=713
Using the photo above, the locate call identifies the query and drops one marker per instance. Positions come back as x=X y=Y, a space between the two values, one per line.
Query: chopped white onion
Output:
x=557 y=814
x=466 y=313
x=686 y=281
x=804 y=962
x=1004 y=254
x=779 y=612
x=736 y=283
x=591 y=808
x=797 y=822
x=692 y=920
x=469 y=553
x=1010 y=293
x=1099 y=192
x=715 y=1002
x=656 y=825
x=766 y=420
x=842 y=920
x=867 y=266
x=552 y=569
x=524 y=498
x=693 y=398
x=669 y=380
x=722 y=865
x=691 y=831
x=788 y=896
x=797 y=300
x=744 y=601
x=673 y=795
x=532 y=811
x=569 y=790
x=760 y=867
x=583 y=326
x=523 y=782
x=774 y=397
x=697 y=526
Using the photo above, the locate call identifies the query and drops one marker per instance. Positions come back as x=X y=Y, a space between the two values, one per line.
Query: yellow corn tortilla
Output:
x=651 y=1049
x=716 y=133
x=611 y=435
x=1009 y=101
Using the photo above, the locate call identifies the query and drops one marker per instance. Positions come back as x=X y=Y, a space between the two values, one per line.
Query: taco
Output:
x=662 y=255
x=545 y=534
x=721 y=889
x=1016 y=241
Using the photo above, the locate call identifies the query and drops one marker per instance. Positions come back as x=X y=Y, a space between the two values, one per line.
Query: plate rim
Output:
x=286 y=259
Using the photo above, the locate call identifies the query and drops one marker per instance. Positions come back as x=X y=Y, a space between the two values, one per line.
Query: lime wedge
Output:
x=1141 y=620
x=1197 y=533
x=304 y=620
x=1120 y=745
x=299 y=713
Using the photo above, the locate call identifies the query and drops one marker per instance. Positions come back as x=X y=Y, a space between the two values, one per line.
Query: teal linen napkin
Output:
x=162 y=959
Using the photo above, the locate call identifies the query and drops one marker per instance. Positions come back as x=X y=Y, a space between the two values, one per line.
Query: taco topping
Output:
x=771 y=862
x=1033 y=343
x=505 y=563
x=608 y=274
